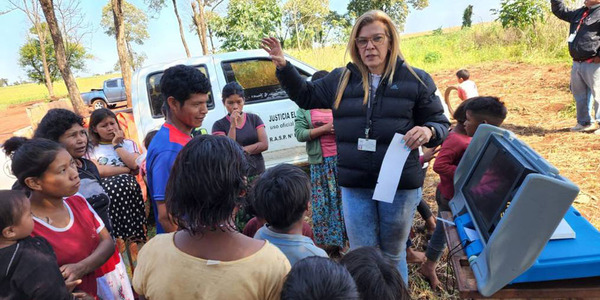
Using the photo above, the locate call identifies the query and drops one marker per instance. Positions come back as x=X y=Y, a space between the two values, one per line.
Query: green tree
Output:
x=467 y=17
x=3 y=82
x=396 y=9
x=247 y=22
x=335 y=29
x=305 y=19
x=521 y=13
x=30 y=58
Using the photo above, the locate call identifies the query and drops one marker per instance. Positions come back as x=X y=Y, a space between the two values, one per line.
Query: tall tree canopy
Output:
x=305 y=18
x=396 y=9
x=247 y=22
x=30 y=58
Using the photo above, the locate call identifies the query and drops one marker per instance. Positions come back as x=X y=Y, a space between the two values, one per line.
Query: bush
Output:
x=433 y=57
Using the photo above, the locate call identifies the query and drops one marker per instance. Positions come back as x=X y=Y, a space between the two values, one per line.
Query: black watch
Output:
x=433 y=134
x=117 y=146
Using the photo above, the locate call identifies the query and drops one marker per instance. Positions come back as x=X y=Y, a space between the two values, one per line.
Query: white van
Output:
x=264 y=96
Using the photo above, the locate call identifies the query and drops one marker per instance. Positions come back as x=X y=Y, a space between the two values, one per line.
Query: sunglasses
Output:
x=377 y=40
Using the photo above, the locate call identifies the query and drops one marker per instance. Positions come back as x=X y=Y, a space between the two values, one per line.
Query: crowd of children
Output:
x=75 y=196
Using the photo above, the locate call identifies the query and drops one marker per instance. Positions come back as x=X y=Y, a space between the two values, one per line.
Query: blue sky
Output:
x=164 y=43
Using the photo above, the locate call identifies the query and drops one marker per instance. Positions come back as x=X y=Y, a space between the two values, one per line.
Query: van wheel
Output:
x=98 y=104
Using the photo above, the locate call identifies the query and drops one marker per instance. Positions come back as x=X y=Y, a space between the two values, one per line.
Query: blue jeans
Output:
x=585 y=86
x=387 y=225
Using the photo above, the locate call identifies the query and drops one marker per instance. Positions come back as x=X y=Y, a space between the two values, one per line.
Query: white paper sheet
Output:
x=472 y=234
x=563 y=231
x=391 y=170
x=446 y=221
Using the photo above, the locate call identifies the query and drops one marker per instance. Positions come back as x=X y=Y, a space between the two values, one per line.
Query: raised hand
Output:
x=118 y=138
x=273 y=47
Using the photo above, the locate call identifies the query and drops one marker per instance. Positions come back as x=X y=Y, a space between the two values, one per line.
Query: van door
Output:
x=266 y=98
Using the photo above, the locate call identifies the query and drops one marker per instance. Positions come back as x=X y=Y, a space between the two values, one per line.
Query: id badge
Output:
x=369 y=145
x=571 y=38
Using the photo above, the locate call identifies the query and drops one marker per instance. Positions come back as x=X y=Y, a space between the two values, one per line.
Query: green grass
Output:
x=483 y=43
x=17 y=94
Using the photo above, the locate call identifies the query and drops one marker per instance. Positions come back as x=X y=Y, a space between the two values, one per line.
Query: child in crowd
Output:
x=319 y=278
x=256 y=223
x=466 y=87
x=207 y=258
x=83 y=247
x=281 y=196
x=470 y=113
x=375 y=275
x=110 y=150
x=28 y=268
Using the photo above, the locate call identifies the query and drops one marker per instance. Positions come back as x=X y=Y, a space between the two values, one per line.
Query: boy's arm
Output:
x=161 y=169
x=560 y=10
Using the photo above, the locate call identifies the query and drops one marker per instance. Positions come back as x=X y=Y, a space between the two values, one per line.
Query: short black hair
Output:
x=12 y=204
x=148 y=139
x=487 y=108
x=319 y=75
x=318 y=278
x=30 y=158
x=463 y=74
x=375 y=275
x=232 y=88
x=281 y=195
x=98 y=116
x=206 y=181
x=460 y=113
x=181 y=81
x=56 y=122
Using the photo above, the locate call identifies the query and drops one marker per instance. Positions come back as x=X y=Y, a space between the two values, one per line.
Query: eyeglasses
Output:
x=377 y=40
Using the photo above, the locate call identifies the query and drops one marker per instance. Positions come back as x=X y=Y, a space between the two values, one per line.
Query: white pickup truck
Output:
x=264 y=96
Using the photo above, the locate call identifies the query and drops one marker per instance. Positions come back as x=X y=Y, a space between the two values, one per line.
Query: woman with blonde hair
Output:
x=374 y=97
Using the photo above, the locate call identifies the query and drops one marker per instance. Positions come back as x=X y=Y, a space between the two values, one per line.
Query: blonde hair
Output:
x=392 y=58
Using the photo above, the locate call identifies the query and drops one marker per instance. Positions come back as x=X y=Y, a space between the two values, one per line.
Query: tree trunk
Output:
x=117 y=8
x=48 y=81
x=200 y=22
x=185 y=46
x=61 y=57
x=297 y=33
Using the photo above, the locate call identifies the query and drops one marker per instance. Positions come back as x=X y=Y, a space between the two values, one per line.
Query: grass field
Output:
x=17 y=94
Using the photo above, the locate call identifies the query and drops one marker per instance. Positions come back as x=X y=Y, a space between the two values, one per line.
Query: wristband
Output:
x=117 y=146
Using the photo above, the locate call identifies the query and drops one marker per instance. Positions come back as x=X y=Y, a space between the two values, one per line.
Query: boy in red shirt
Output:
x=470 y=113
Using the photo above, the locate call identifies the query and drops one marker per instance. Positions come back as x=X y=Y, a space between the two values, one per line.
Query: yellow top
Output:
x=165 y=272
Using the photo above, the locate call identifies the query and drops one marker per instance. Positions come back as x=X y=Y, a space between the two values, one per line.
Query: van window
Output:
x=257 y=77
x=155 y=97
x=111 y=83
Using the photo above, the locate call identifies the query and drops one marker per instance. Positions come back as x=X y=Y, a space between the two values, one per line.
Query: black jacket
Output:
x=396 y=108
x=587 y=40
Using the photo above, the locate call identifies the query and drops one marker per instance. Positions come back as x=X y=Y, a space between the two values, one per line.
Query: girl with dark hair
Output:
x=203 y=192
x=110 y=149
x=83 y=246
x=245 y=128
x=66 y=127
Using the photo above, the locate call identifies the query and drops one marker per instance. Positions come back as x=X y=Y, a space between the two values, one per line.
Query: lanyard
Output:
x=585 y=14
x=369 y=122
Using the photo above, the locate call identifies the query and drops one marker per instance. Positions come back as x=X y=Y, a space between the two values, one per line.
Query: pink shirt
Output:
x=318 y=119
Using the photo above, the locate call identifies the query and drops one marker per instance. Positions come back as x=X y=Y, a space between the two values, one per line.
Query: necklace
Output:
x=47 y=219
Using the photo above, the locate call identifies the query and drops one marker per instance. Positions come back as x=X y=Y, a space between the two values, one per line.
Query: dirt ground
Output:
x=538 y=101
